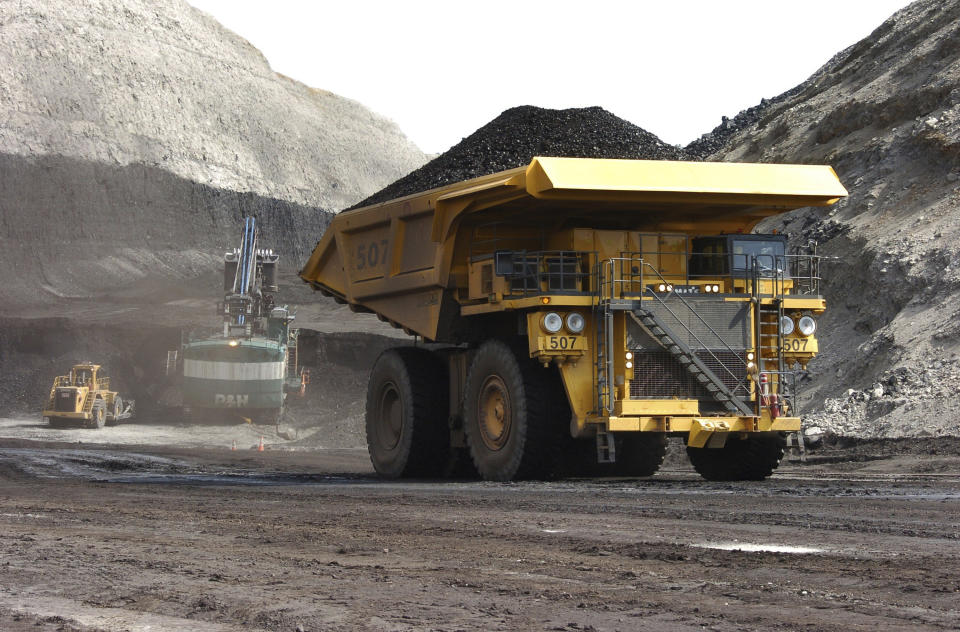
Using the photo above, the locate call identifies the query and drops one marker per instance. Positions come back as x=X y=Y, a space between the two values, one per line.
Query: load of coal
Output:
x=518 y=134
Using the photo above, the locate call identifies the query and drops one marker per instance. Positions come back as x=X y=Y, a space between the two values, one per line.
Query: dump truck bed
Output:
x=404 y=259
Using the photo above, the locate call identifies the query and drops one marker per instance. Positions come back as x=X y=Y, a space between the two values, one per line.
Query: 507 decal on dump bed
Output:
x=372 y=254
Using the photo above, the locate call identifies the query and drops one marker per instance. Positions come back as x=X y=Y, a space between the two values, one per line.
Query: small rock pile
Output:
x=894 y=406
x=516 y=136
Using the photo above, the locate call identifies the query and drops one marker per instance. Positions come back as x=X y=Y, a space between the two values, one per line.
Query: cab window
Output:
x=769 y=256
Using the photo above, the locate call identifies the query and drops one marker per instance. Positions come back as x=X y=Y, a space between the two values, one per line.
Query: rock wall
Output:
x=135 y=134
x=161 y=83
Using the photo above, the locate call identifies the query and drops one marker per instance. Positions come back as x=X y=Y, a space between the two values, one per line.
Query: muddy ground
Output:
x=863 y=536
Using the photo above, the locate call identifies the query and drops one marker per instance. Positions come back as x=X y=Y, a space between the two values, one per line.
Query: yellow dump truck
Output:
x=589 y=307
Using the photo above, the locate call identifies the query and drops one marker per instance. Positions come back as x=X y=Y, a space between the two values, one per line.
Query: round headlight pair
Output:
x=553 y=322
x=806 y=326
x=711 y=288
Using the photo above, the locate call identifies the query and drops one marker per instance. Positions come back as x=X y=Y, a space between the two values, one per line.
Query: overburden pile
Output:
x=516 y=136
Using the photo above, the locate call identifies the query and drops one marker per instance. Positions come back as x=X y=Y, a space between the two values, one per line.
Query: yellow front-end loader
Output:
x=84 y=397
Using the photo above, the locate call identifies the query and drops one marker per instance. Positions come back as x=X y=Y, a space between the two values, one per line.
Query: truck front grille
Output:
x=65 y=400
x=657 y=374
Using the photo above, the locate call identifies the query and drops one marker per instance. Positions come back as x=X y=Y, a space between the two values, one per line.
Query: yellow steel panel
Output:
x=636 y=424
x=785 y=424
x=657 y=407
x=712 y=182
x=817 y=304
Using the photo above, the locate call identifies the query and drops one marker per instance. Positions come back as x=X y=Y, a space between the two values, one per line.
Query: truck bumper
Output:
x=702 y=430
x=65 y=414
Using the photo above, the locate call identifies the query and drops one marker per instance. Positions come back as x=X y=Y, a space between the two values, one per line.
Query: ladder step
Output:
x=606 y=448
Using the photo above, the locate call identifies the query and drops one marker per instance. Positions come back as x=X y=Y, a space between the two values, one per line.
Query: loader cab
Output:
x=84 y=375
x=735 y=255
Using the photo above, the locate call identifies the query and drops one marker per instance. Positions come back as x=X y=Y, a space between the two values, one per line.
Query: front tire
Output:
x=507 y=416
x=638 y=454
x=117 y=409
x=98 y=415
x=59 y=422
x=406 y=418
x=751 y=459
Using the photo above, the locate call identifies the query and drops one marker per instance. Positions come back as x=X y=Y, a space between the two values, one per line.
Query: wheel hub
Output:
x=494 y=413
x=390 y=422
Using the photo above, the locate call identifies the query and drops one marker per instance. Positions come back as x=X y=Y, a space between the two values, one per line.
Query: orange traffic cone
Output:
x=260 y=447
x=234 y=446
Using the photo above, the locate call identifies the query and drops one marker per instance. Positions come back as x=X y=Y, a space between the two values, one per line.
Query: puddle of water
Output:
x=748 y=547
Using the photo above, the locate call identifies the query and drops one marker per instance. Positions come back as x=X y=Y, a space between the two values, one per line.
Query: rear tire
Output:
x=507 y=415
x=407 y=414
x=751 y=459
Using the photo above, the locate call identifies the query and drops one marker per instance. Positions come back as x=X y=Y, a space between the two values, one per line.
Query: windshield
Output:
x=82 y=377
x=768 y=254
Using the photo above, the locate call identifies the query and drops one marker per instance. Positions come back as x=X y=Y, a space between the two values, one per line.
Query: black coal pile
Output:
x=516 y=136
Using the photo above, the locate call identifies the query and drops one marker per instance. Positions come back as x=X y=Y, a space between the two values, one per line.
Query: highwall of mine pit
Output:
x=78 y=229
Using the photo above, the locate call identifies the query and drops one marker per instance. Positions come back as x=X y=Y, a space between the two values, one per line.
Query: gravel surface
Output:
x=180 y=539
x=516 y=136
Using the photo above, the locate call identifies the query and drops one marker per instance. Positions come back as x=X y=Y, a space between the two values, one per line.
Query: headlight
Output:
x=807 y=326
x=629 y=355
x=662 y=287
x=786 y=326
x=629 y=365
x=552 y=323
x=575 y=323
x=716 y=288
x=707 y=288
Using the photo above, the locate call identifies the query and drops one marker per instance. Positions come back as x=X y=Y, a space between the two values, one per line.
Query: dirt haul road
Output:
x=189 y=539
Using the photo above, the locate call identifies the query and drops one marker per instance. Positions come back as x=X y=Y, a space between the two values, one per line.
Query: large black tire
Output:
x=98 y=415
x=638 y=454
x=751 y=459
x=509 y=419
x=60 y=422
x=115 y=411
x=407 y=414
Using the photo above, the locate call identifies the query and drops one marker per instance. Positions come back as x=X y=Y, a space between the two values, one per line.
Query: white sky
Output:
x=441 y=69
